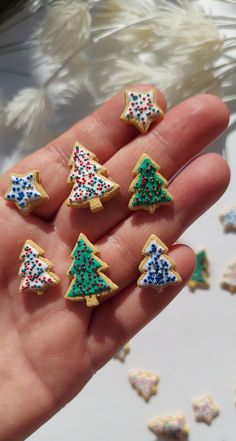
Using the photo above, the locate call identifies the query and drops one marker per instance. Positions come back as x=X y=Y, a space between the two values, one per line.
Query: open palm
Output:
x=49 y=347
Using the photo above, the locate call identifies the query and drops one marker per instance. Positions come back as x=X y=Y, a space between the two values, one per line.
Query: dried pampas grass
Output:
x=65 y=28
x=29 y=111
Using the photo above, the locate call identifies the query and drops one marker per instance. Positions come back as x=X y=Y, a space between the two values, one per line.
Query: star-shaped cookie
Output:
x=141 y=109
x=26 y=191
x=205 y=409
x=228 y=219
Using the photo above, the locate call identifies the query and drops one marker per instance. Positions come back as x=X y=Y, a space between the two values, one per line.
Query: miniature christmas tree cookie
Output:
x=145 y=383
x=26 y=191
x=89 y=284
x=229 y=277
x=148 y=186
x=35 y=270
x=205 y=409
x=157 y=268
x=170 y=428
x=141 y=109
x=200 y=275
x=228 y=219
x=91 y=187
x=122 y=353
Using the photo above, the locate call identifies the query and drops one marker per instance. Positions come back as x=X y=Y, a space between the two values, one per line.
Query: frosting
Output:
x=23 y=191
x=157 y=267
x=142 y=108
x=87 y=182
x=144 y=383
x=88 y=280
x=199 y=277
x=205 y=409
x=34 y=270
x=228 y=219
x=170 y=427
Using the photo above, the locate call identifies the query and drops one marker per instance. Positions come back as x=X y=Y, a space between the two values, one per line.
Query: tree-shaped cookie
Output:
x=170 y=428
x=228 y=281
x=157 y=268
x=35 y=270
x=89 y=283
x=91 y=187
x=199 y=278
x=148 y=186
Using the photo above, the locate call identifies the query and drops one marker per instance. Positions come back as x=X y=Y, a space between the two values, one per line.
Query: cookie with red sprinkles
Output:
x=35 y=270
x=91 y=186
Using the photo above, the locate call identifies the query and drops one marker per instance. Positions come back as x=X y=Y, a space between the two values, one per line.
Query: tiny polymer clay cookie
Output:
x=200 y=276
x=228 y=219
x=26 y=191
x=122 y=353
x=228 y=280
x=205 y=409
x=91 y=186
x=89 y=284
x=35 y=270
x=141 y=109
x=157 y=268
x=145 y=383
x=148 y=186
x=170 y=428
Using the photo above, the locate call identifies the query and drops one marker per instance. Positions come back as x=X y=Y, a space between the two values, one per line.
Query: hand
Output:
x=51 y=347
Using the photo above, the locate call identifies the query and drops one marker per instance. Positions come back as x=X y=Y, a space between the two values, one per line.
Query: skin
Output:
x=50 y=347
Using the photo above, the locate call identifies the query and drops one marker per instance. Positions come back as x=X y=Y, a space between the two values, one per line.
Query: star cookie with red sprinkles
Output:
x=141 y=109
x=205 y=409
x=35 y=270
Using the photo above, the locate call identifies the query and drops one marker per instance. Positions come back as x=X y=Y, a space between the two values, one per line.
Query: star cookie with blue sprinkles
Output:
x=157 y=269
x=228 y=219
x=26 y=191
x=141 y=109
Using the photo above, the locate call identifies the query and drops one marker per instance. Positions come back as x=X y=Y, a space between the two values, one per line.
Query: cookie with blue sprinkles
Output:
x=157 y=269
x=26 y=191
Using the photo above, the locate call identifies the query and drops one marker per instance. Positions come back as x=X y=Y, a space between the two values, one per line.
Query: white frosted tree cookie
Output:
x=157 y=268
x=35 y=270
x=170 y=428
x=228 y=280
x=205 y=409
x=145 y=383
x=91 y=186
x=141 y=109
x=26 y=191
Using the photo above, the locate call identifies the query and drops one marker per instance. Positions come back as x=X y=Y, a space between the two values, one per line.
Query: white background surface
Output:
x=191 y=345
